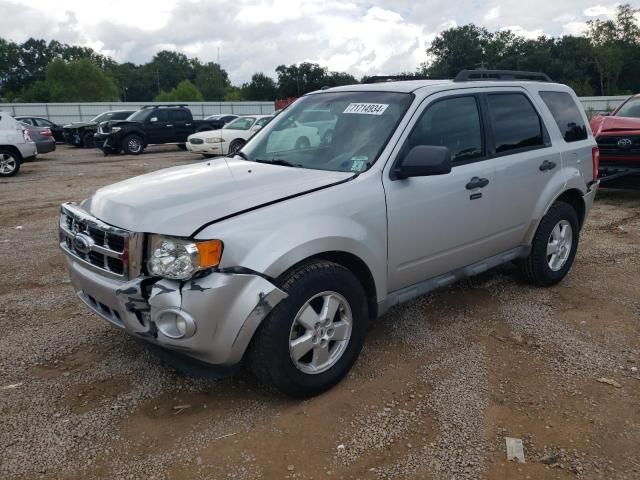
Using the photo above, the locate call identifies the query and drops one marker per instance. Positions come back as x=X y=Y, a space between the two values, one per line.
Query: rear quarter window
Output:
x=566 y=114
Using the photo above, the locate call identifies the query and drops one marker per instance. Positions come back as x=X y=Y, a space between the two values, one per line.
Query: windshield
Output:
x=139 y=116
x=101 y=118
x=630 y=109
x=242 y=123
x=343 y=131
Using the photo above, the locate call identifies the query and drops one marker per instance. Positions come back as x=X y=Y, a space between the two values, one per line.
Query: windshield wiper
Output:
x=278 y=161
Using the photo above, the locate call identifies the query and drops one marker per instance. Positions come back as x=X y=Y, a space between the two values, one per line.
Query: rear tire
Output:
x=554 y=246
x=132 y=144
x=9 y=163
x=300 y=349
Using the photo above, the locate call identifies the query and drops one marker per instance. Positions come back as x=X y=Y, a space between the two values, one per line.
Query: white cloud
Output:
x=575 y=28
x=523 y=32
x=492 y=14
x=362 y=37
x=608 y=11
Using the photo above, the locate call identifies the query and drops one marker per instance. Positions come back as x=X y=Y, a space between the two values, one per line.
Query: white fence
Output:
x=62 y=113
x=594 y=105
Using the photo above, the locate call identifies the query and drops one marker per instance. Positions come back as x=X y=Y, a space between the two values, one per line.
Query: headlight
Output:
x=116 y=129
x=179 y=259
x=214 y=140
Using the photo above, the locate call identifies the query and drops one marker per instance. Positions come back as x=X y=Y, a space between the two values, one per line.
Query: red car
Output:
x=618 y=136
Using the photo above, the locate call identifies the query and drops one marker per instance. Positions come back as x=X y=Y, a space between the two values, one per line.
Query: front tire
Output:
x=88 y=141
x=9 y=163
x=132 y=144
x=554 y=246
x=313 y=337
x=235 y=146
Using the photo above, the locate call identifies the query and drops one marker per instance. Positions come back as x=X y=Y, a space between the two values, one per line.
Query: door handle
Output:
x=187 y=124
x=169 y=125
x=547 y=165
x=477 y=182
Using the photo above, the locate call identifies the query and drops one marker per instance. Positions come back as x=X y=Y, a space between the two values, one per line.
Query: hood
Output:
x=204 y=134
x=80 y=124
x=178 y=201
x=120 y=123
x=612 y=125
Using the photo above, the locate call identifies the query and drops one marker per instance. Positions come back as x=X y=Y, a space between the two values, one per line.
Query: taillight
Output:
x=26 y=136
x=595 y=157
x=46 y=133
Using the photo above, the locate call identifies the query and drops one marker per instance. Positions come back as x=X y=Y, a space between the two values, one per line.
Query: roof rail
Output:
x=474 y=75
x=398 y=78
x=158 y=106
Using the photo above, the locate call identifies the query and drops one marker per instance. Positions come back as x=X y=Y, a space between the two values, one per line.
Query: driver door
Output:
x=440 y=223
x=158 y=130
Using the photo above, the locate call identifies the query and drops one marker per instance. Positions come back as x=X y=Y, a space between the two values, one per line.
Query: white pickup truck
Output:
x=15 y=145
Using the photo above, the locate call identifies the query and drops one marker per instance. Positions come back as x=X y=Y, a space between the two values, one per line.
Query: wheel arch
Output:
x=13 y=149
x=572 y=196
x=356 y=266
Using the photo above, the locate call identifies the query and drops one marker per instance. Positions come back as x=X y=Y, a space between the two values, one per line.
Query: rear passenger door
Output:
x=525 y=161
x=439 y=223
x=180 y=122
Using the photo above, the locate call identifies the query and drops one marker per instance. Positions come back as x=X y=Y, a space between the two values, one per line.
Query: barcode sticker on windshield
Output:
x=366 y=108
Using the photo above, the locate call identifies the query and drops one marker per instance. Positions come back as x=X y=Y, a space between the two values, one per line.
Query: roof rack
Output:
x=158 y=106
x=398 y=78
x=474 y=75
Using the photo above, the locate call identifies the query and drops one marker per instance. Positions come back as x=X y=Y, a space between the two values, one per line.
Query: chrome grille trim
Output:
x=110 y=251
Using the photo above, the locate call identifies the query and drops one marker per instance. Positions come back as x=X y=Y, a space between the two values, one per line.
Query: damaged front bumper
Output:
x=225 y=309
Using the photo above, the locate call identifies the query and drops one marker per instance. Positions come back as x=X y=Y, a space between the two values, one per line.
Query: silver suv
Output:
x=281 y=255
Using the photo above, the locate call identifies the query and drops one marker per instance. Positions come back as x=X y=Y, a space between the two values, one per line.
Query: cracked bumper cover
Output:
x=227 y=309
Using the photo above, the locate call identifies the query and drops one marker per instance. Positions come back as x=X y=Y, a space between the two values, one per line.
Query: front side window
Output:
x=263 y=121
x=630 y=108
x=516 y=124
x=120 y=115
x=566 y=114
x=453 y=123
x=337 y=131
x=243 y=123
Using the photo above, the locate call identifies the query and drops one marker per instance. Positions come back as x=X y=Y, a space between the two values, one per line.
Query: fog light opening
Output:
x=176 y=324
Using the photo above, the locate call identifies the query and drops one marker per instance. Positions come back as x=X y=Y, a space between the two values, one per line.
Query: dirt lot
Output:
x=440 y=384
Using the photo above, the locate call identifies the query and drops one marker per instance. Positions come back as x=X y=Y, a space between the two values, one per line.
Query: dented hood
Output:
x=612 y=125
x=178 y=201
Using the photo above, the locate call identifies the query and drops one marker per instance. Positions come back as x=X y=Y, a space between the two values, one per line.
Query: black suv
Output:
x=81 y=134
x=153 y=124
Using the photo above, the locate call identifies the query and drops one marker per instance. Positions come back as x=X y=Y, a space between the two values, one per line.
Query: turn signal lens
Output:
x=210 y=253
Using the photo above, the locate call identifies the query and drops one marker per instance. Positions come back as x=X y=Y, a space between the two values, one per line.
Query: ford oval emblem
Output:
x=82 y=244
x=624 y=142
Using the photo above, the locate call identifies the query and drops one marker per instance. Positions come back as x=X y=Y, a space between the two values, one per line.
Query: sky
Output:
x=359 y=37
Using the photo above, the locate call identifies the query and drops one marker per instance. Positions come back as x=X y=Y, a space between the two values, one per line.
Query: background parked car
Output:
x=222 y=117
x=15 y=145
x=56 y=129
x=81 y=134
x=151 y=125
x=42 y=137
x=228 y=139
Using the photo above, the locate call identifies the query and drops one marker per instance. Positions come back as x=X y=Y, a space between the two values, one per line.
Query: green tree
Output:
x=185 y=91
x=260 y=88
x=76 y=81
x=233 y=94
x=295 y=80
x=457 y=49
x=212 y=80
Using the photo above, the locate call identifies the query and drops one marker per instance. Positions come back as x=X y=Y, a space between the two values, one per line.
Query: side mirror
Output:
x=424 y=161
x=153 y=119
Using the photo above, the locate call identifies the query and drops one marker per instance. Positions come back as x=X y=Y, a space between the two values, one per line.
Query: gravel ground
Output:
x=440 y=383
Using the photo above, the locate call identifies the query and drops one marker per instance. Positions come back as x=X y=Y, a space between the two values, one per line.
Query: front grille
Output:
x=103 y=247
x=610 y=144
x=196 y=141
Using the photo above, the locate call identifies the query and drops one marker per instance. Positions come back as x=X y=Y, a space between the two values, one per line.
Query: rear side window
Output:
x=453 y=123
x=178 y=116
x=516 y=124
x=566 y=114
